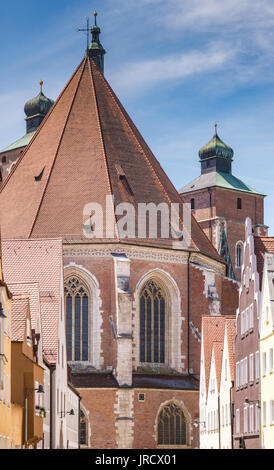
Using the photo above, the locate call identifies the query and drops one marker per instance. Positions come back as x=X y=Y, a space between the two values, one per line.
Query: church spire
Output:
x=95 y=49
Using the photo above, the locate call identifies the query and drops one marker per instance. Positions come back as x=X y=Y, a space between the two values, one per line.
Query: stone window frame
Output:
x=239 y=244
x=95 y=321
x=187 y=415
x=73 y=294
x=175 y=319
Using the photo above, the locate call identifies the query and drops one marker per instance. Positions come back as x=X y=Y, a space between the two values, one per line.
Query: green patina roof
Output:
x=226 y=180
x=20 y=142
x=219 y=179
x=216 y=148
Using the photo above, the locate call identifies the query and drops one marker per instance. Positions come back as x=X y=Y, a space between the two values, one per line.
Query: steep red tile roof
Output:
x=32 y=292
x=262 y=245
x=38 y=261
x=231 y=331
x=217 y=350
x=19 y=311
x=213 y=329
x=86 y=148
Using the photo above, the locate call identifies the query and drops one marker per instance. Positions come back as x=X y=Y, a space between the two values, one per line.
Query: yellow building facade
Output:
x=10 y=415
x=266 y=355
x=21 y=407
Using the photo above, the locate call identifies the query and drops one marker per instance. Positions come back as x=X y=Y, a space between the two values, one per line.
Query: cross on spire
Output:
x=87 y=30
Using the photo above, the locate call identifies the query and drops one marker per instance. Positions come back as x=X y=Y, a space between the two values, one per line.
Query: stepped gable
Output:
x=213 y=329
x=217 y=350
x=231 y=332
x=87 y=147
x=262 y=245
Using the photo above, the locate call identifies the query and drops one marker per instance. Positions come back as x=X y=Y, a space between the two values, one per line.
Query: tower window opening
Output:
x=192 y=203
x=239 y=203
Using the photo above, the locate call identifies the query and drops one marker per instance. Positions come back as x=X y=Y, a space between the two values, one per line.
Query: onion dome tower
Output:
x=36 y=109
x=216 y=155
x=95 y=50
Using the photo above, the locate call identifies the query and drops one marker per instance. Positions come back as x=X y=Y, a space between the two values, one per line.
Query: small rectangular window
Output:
x=192 y=202
x=264 y=413
x=237 y=421
x=251 y=367
x=251 y=419
x=271 y=360
x=239 y=203
x=257 y=365
x=264 y=364
x=245 y=420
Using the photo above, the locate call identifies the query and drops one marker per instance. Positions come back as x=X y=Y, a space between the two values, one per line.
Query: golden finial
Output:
x=41 y=84
x=95 y=16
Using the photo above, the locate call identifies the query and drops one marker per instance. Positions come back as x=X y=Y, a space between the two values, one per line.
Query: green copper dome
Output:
x=216 y=148
x=38 y=105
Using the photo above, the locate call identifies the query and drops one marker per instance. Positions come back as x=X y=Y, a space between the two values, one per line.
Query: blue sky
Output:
x=178 y=66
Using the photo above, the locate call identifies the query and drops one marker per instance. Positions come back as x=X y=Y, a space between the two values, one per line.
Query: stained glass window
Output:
x=172 y=426
x=152 y=323
x=77 y=319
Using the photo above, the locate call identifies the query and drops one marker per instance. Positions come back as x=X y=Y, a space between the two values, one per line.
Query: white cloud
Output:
x=182 y=65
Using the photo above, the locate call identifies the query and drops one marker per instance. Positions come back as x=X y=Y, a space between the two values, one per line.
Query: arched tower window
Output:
x=78 y=309
x=153 y=323
x=83 y=429
x=239 y=254
x=172 y=426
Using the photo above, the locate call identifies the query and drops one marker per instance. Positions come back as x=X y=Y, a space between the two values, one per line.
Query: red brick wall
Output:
x=11 y=156
x=100 y=404
x=145 y=415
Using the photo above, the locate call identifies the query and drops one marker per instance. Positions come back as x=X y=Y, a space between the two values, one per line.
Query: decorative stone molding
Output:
x=167 y=256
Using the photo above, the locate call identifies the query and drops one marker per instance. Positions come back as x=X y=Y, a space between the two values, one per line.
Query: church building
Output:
x=134 y=299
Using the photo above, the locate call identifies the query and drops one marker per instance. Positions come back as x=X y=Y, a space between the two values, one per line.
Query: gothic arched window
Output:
x=78 y=301
x=153 y=323
x=83 y=429
x=239 y=254
x=172 y=426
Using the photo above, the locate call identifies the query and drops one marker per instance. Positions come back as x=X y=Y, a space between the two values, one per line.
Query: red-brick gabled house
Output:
x=134 y=304
x=247 y=361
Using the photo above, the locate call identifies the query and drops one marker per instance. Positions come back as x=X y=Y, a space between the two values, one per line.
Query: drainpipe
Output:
x=79 y=421
x=210 y=221
x=51 y=369
x=231 y=413
x=219 y=420
x=188 y=313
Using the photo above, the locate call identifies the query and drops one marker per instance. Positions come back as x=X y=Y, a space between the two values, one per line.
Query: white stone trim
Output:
x=174 y=357
x=96 y=314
